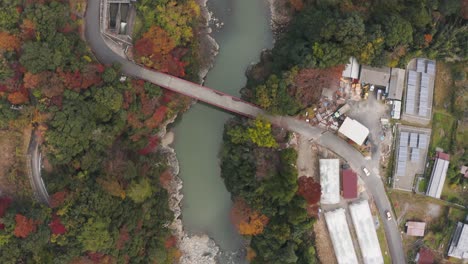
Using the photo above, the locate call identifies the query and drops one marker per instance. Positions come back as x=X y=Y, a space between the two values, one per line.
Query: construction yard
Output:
x=440 y=219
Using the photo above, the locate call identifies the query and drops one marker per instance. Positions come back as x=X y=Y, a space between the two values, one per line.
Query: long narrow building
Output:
x=340 y=236
x=330 y=181
x=365 y=230
x=439 y=173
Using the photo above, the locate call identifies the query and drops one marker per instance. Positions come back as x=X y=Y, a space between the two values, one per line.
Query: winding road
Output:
x=37 y=183
x=329 y=140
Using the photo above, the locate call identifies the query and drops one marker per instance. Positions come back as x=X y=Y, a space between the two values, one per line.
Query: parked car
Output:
x=389 y=215
x=366 y=171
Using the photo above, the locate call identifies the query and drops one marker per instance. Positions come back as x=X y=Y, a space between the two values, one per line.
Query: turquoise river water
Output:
x=206 y=205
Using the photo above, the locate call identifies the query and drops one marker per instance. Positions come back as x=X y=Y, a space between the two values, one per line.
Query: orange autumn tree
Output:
x=24 y=226
x=9 y=42
x=18 y=98
x=154 y=48
x=246 y=220
x=31 y=80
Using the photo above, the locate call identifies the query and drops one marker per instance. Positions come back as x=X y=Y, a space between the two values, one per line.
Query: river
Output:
x=206 y=205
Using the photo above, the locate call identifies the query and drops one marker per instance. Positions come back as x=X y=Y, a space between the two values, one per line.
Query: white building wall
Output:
x=330 y=181
x=436 y=184
x=340 y=236
x=365 y=230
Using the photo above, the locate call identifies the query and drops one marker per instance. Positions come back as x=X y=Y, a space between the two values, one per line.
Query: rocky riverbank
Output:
x=201 y=248
x=194 y=248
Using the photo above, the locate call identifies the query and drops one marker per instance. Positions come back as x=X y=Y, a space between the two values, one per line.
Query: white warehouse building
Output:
x=330 y=180
x=340 y=236
x=365 y=230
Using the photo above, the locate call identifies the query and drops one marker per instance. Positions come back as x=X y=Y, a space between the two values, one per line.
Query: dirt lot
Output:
x=323 y=242
x=14 y=145
x=307 y=160
x=440 y=220
x=443 y=83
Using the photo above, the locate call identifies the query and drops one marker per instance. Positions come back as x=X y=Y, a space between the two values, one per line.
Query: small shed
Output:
x=425 y=256
x=352 y=69
x=349 y=180
x=354 y=130
x=464 y=171
x=415 y=228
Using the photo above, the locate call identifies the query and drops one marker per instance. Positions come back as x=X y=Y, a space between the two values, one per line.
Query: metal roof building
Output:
x=415 y=228
x=459 y=244
x=330 y=181
x=420 y=86
x=365 y=230
x=376 y=76
x=349 y=181
x=352 y=69
x=340 y=236
x=439 y=172
x=397 y=83
x=396 y=109
x=354 y=130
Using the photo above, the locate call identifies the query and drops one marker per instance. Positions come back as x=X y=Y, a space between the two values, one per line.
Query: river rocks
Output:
x=208 y=46
x=198 y=249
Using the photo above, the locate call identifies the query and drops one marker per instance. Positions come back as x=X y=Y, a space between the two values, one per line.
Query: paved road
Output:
x=37 y=183
x=326 y=139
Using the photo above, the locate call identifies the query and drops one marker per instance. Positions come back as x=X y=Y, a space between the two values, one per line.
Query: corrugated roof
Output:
x=340 y=236
x=352 y=69
x=330 y=180
x=354 y=130
x=415 y=228
x=459 y=245
x=365 y=231
x=377 y=76
x=439 y=173
x=349 y=181
x=425 y=256
x=397 y=82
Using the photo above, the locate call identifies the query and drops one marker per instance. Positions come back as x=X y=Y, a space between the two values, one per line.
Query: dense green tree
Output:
x=95 y=236
x=140 y=191
x=398 y=31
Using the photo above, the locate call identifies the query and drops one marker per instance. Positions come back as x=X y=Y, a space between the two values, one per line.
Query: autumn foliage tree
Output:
x=18 y=98
x=24 y=226
x=56 y=226
x=246 y=220
x=154 y=48
x=9 y=42
x=309 y=189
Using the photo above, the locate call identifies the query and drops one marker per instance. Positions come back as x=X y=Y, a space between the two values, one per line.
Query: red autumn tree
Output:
x=298 y=5
x=309 y=189
x=18 y=97
x=157 y=117
x=57 y=199
x=246 y=220
x=152 y=144
x=5 y=202
x=308 y=83
x=24 y=226
x=9 y=42
x=56 y=226
x=170 y=242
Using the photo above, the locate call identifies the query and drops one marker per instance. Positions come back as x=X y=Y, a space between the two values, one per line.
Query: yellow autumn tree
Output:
x=246 y=220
